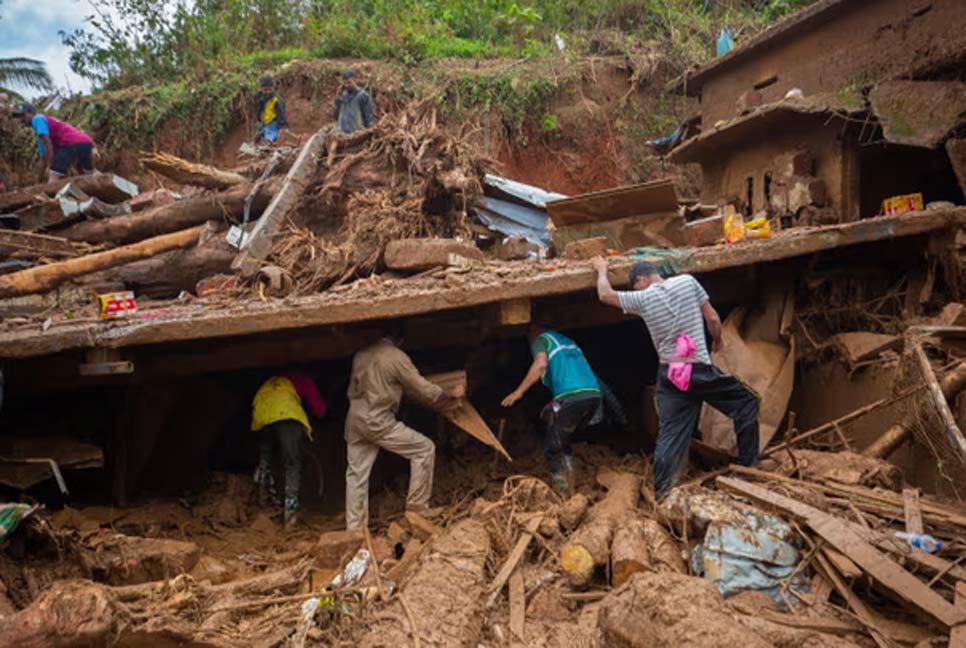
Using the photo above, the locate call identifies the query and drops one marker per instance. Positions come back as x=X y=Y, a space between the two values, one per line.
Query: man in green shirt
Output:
x=561 y=365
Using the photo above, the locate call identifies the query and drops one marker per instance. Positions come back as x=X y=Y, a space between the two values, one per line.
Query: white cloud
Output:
x=30 y=28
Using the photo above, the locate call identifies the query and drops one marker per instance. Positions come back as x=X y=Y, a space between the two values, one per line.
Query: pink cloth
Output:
x=679 y=373
x=62 y=134
x=308 y=392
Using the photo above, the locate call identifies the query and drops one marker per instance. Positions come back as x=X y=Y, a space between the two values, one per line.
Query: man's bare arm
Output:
x=537 y=368
x=714 y=325
x=605 y=292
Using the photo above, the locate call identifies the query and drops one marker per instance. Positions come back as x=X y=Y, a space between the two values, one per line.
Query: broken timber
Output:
x=338 y=308
x=841 y=536
x=105 y=186
x=50 y=276
x=191 y=173
x=259 y=244
x=36 y=244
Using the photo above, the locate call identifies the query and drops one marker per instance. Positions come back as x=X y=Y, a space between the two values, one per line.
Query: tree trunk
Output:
x=191 y=173
x=105 y=186
x=50 y=276
x=628 y=553
x=166 y=275
x=589 y=546
x=173 y=217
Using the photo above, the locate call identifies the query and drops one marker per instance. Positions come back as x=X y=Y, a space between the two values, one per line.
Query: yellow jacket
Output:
x=276 y=400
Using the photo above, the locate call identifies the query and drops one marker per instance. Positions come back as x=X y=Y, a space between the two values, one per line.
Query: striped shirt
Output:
x=669 y=308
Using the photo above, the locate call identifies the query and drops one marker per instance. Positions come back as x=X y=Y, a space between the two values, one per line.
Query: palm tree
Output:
x=24 y=72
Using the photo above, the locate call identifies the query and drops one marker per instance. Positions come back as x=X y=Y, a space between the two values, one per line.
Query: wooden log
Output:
x=628 y=552
x=171 y=218
x=892 y=439
x=105 y=186
x=191 y=173
x=957 y=636
x=259 y=244
x=940 y=401
x=571 y=513
x=421 y=527
x=589 y=546
x=50 y=276
x=165 y=275
x=662 y=550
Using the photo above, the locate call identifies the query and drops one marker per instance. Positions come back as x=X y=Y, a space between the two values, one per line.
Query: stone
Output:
x=514 y=249
x=334 y=546
x=416 y=255
x=704 y=231
x=586 y=248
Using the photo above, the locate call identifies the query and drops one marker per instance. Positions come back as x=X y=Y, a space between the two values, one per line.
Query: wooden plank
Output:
x=468 y=419
x=842 y=537
x=662 y=229
x=957 y=636
x=513 y=559
x=257 y=246
x=611 y=204
x=518 y=605
x=842 y=564
x=512 y=312
x=858 y=606
x=912 y=510
x=332 y=307
x=41 y=244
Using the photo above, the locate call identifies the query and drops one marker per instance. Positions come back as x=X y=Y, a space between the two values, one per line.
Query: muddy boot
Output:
x=561 y=483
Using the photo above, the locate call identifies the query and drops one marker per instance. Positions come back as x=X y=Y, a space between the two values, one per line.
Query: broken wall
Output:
x=858 y=42
x=754 y=177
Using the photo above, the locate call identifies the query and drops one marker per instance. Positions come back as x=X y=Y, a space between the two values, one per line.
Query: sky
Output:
x=29 y=28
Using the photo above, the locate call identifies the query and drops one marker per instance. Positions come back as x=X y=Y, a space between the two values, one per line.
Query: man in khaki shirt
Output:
x=381 y=375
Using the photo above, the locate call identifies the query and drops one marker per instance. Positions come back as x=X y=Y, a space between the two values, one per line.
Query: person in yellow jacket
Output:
x=278 y=415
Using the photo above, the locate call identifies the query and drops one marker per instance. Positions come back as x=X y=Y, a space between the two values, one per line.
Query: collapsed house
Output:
x=848 y=323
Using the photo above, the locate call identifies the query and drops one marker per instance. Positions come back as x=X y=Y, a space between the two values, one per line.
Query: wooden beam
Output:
x=426 y=296
x=842 y=537
x=957 y=636
x=518 y=606
x=50 y=276
x=514 y=558
x=191 y=173
x=257 y=246
x=912 y=510
x=512 y=312
x=38 y=244
x=953 y=433
x=106 y=186
x=862 y=612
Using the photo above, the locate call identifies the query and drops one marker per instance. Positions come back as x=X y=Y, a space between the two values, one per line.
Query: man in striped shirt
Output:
x=671 y=308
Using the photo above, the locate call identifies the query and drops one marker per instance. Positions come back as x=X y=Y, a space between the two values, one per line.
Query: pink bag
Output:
x=679 y=373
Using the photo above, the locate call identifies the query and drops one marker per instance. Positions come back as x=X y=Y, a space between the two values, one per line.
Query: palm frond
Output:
x=25 y=72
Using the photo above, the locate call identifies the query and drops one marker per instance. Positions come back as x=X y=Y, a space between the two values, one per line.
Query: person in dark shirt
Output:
x=270 y=112
x=353 y=109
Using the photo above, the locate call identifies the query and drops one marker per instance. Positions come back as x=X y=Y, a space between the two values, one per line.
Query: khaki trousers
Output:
x=362 y=451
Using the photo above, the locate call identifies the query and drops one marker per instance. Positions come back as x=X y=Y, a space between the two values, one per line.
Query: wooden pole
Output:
x=50 y=276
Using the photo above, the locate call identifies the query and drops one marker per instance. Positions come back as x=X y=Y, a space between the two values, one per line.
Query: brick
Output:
x=334 y=546
x=705 y=231
x=425 y=253
x=586 y=248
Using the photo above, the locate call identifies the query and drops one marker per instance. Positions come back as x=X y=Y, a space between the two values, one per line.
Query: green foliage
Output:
x=548 y=122
x=172 y=39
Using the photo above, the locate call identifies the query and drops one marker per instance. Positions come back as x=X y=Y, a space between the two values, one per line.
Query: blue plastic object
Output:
x=726 y=42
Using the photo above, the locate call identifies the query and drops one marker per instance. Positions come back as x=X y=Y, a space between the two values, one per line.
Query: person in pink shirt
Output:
x=60 y=144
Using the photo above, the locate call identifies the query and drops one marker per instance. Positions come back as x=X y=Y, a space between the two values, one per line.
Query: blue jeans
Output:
x=288 y=433
x=269 y=132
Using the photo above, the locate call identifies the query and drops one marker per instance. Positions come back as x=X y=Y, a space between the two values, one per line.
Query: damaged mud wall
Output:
x=855 y=41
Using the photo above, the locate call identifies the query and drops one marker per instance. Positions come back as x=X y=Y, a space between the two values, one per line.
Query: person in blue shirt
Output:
x=560 y=364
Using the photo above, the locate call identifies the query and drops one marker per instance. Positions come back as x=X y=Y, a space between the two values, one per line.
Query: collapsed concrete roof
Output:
x=368 y=300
